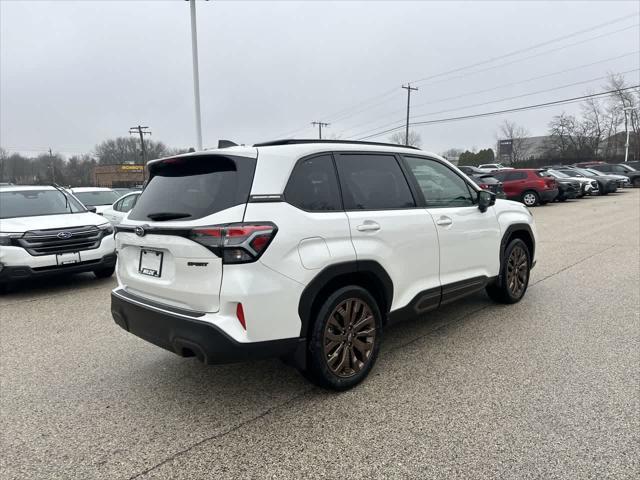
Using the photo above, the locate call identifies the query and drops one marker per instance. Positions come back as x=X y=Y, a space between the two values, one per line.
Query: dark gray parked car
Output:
x=606 y=184
x=619 y=169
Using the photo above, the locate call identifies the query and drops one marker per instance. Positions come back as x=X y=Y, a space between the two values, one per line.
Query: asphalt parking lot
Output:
x=547 y=388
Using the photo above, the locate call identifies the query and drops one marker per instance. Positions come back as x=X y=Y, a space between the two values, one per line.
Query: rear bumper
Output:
x=13 y=273
x=186 y=334
x=548 y=195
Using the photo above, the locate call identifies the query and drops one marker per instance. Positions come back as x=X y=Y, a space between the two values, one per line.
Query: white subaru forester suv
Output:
x=306 y=250
x=44 y=230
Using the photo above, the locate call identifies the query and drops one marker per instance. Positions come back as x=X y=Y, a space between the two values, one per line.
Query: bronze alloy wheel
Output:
x=349 y=337
x=517 y=271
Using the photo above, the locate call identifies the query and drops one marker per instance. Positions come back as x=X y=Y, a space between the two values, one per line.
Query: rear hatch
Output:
x=166 y=253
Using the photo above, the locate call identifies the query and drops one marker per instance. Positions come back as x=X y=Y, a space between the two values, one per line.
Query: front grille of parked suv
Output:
x=61 y=240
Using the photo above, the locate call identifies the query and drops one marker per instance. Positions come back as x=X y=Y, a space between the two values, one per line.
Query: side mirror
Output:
x=485 y=200
x=92 y=209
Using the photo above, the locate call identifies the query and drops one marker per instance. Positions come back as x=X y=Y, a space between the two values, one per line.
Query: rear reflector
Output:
x=240 y=315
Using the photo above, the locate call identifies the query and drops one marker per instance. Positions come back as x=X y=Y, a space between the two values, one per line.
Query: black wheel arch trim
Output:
x=508 y=234
x=332 y=272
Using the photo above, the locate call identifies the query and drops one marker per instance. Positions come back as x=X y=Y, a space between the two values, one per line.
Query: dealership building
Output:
x=122 y=175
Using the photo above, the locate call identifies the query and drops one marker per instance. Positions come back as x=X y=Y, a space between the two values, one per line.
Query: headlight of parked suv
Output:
x=5 y=238
x=107 y=229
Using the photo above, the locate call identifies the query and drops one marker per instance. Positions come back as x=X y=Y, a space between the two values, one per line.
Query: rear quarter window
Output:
x=188 y=188
x=313 y=185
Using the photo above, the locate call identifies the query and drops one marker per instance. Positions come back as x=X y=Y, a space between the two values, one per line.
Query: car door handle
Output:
x=368 y=226
x=444 y=221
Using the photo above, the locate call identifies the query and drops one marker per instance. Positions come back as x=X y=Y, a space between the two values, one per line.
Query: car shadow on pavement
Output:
x=52 y=285
x=224 y=386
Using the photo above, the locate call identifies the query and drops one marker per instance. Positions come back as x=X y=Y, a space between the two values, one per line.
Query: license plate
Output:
x=150 y=262
x=67 y=258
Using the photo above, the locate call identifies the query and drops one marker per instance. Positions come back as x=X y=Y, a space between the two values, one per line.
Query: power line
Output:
x=341 y=113
x=500 y=112
x=539 y=77
x=497 y=100
x=497 y=88
x=526 y=49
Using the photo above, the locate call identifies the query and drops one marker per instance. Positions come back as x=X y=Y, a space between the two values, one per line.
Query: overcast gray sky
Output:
x=76 y=72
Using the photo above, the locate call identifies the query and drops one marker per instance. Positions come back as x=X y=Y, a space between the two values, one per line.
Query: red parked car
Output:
x=527 y=185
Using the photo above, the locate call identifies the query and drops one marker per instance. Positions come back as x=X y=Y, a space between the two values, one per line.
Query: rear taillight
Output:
x=237 y=242
x=484 y=186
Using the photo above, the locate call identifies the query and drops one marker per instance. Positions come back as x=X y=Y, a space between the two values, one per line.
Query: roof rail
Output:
x=296 y=141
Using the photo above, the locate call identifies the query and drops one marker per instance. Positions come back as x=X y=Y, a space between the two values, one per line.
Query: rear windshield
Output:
x=191 y=188
x=30 y=203
x=93 y=199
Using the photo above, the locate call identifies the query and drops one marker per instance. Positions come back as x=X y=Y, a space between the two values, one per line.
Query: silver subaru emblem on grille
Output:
x=64 y=235
x=140 y=231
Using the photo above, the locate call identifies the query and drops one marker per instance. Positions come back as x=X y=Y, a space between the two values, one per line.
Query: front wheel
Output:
x=530 y=198
x=345 y=339
x=514 y=274
x=104 y=272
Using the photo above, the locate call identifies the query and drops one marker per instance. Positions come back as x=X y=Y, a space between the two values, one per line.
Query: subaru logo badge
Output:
x=140 y=231
x=64 y=235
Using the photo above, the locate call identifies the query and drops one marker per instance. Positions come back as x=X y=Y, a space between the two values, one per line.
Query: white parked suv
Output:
x=99 y=198
x=116 y=212
x=306 y=250
x=45 y=230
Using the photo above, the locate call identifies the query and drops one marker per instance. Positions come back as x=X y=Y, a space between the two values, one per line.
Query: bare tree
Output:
x=619 y=120
x=517 y=134
x=414 y=138
x=570 y=138
x=452 y=153
x=127 y=150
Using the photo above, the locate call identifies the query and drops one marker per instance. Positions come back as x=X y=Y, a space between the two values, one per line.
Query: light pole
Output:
x=196 y=74
x=626 y=127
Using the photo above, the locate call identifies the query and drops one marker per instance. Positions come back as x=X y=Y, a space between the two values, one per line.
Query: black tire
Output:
x=562 y=199
x=602 y=189
x=530 y=198
x=504 y=290
x=104 y=272
x=636 y=182
x=331 y=327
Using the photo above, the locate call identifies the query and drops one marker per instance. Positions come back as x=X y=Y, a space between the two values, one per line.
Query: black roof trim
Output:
x=298 y=141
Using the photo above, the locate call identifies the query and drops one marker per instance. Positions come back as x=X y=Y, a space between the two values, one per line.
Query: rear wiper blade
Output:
x=160 y=216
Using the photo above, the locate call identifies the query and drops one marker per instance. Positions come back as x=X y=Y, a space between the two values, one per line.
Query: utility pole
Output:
x=320 y=125
x=408 y=88
x=51 y=166
x=142 y=131
x=196 y=73
x=626 y=127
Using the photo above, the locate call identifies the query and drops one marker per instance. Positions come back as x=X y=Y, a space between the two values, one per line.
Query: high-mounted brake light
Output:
x=238 y=242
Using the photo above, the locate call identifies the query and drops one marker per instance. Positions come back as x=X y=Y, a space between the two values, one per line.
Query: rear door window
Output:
x=373 y=182
x=516 y=176
x=313 y=185
x=188 y=188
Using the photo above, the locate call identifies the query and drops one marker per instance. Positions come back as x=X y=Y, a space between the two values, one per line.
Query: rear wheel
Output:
x=636 y=182
x=514 y=274
x=345 y=339
x=104 y=272
x=530 y=198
